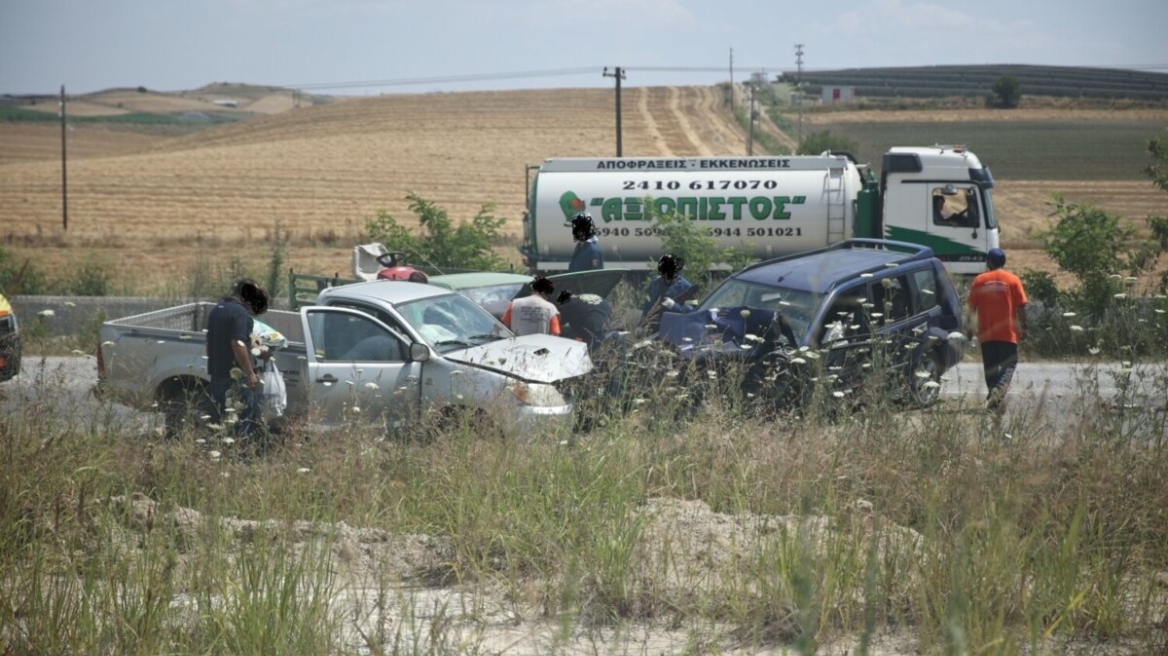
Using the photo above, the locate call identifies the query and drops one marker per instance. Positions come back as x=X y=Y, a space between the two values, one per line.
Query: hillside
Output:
x=173 y=200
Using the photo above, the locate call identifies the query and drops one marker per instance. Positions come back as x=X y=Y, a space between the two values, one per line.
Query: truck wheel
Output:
x=925 y=381
x=185 y=406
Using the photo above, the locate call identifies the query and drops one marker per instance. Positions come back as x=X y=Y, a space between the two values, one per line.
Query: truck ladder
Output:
x=836 y=205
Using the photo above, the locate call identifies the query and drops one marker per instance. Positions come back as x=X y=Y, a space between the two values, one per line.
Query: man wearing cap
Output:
x=229 y=360
x=999 y=301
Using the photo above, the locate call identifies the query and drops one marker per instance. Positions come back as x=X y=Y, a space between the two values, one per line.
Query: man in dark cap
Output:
x=999 y=301
x=229 y=356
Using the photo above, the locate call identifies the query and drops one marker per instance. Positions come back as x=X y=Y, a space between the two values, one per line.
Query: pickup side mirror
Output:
x=419 y=352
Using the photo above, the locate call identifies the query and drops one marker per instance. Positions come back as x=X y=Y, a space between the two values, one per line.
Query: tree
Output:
x=1007 y=92
x=819 y=142
x=1157 y=170
x=441 y=244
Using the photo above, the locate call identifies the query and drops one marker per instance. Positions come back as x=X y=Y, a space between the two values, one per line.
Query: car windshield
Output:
x=494 y=297
x=452 y=322
x=796 y=305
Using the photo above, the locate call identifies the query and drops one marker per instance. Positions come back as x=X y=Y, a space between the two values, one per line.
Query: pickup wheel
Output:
x=925 y=381
x=186 y=405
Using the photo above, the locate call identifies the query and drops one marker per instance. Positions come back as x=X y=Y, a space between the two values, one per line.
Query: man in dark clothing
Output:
x=584 y=317
x=587 y=255
x=229 y=358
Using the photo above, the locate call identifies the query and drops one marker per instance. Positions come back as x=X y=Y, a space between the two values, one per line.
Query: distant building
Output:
x=224 y=102
x=838 y=94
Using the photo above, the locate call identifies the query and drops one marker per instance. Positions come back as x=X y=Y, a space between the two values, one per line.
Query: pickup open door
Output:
x=359 y=369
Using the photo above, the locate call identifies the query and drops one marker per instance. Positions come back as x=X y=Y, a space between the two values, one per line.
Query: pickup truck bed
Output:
x=168 y=348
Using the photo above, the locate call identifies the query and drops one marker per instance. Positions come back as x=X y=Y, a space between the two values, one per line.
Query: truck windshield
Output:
x=452 y=322
x=796 y=305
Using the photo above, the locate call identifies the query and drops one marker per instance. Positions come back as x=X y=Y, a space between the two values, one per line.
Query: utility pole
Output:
x=799 y=86
x=64 y=177
x=619 y=74
x=730 y=98
x=750 y=142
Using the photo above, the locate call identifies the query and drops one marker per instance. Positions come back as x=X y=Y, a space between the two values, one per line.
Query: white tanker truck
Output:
x=935 y=196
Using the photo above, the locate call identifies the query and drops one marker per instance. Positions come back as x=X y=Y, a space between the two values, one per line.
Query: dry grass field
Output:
x=151 y=202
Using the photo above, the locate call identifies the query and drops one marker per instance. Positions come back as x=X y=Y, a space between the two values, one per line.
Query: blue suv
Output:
x=841 y=315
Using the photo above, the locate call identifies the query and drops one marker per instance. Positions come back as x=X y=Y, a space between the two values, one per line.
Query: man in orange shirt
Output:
x=999 y=301
x=534 y=314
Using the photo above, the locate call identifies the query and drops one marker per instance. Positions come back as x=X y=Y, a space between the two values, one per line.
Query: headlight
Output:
x=534 y=394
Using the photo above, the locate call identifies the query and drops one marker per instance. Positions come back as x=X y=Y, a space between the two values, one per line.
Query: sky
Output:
x=364 y=47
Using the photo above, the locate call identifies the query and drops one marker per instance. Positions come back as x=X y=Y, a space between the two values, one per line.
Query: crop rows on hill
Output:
x=1051 y=150
x=978 y=80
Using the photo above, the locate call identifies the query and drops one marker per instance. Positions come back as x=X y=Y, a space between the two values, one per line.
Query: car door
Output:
x=359 y=369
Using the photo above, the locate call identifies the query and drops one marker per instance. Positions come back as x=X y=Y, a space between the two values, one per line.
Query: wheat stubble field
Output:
x=148 y=202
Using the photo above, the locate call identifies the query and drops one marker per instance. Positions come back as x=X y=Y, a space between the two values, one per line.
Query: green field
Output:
x=1030 y=150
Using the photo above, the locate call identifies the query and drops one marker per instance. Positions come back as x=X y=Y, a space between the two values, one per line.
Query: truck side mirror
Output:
x=419 y=352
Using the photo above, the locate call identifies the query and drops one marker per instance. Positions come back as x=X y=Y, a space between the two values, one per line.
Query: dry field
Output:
x=165 y=203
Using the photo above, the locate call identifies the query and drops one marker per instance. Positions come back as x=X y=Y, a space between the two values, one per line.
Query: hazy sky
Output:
x=90 y=45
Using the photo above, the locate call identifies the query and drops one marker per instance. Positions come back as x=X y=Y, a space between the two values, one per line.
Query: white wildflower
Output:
x=70 y=304
x=215 y=455
x=754 y=338
x=1093 y=351
x=46 y=313
x=1076 y=329
x=886 y=283
x=931 y=384
x=921 y=373
x=798 y=361
x=956 y=336
x=1121 y=295
x=1130 y=280
x=107 y=343
x=838 y=394
x=1068 y=314
x=228 y=440
x=303 y=470
x=350 y=383
x=256 y=351
x=1115 y=276
x=745 y=313
x=372 y=385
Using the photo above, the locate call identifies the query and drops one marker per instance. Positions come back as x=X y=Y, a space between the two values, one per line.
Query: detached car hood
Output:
x=536 y=358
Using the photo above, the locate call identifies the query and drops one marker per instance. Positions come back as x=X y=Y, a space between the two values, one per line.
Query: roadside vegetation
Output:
x=709 y=524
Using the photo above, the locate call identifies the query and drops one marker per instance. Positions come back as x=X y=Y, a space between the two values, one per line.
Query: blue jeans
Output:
x=248 y=417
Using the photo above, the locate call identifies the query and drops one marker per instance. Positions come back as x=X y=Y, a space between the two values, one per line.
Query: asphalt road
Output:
x=1058 y=392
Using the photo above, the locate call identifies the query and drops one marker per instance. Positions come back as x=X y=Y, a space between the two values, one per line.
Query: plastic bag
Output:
x=275 y=393
x=267 y=336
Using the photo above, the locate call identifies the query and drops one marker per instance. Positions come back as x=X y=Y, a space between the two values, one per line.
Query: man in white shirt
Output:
x=535 y=314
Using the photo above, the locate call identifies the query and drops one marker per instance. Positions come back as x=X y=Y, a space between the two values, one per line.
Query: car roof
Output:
x=478 y=279
x=389 y=291
x=820 y=271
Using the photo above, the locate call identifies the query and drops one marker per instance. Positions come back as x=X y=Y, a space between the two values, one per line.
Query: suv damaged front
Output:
x=849 y=328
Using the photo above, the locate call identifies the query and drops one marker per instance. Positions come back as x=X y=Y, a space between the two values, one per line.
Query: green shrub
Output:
x=820 y=142
x=1007 y=92
x=440 y=244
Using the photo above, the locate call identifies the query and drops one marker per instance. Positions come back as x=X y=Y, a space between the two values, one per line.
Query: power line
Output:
x=591 y=70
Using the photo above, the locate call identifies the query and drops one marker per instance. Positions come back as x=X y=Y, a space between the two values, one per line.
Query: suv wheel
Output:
x=925 y=381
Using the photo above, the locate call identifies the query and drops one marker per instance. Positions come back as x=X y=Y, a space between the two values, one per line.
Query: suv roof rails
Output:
x=911 y=251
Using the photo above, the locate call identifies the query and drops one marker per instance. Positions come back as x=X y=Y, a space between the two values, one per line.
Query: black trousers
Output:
x=999 y=359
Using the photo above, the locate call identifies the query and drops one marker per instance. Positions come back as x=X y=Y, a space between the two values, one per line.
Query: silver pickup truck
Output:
x=387 y=351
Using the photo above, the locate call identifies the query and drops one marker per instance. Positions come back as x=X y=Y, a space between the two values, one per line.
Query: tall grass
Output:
x=736 y=529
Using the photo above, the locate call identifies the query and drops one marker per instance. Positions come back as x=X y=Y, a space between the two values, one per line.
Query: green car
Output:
x=494 y=291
